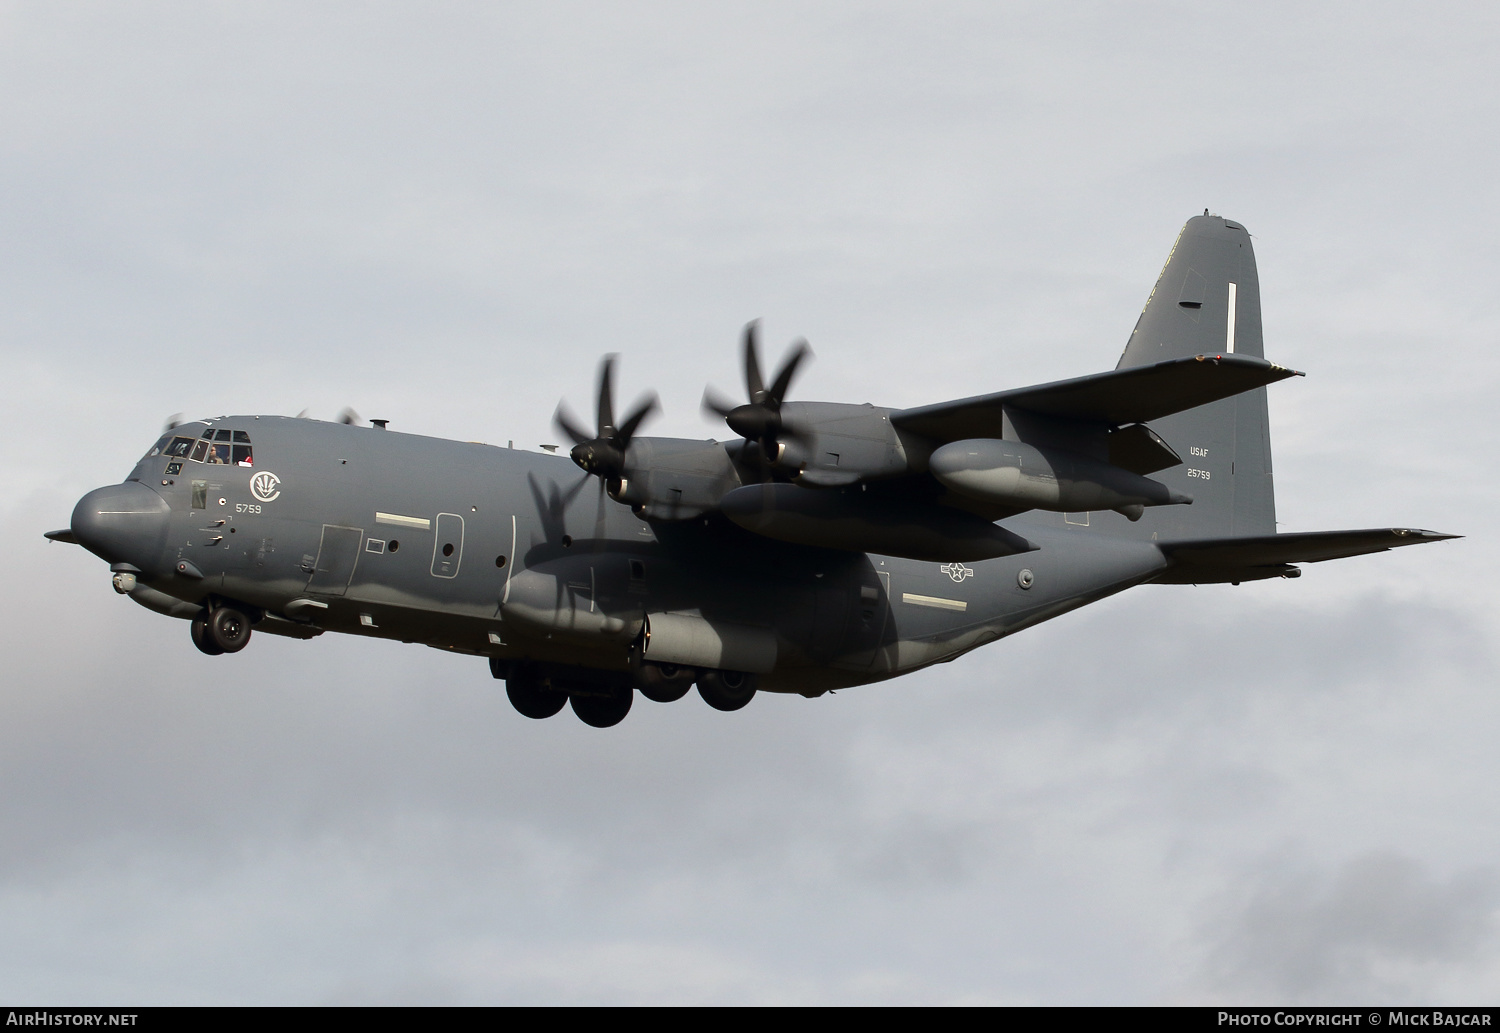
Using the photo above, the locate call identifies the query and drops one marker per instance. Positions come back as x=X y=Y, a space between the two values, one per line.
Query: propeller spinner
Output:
x=759 y=420
x=603 y=452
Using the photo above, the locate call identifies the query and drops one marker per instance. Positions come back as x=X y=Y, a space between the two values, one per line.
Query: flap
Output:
x=1136 y=394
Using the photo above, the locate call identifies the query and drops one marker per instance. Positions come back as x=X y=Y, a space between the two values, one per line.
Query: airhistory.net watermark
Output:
x=46 y=1017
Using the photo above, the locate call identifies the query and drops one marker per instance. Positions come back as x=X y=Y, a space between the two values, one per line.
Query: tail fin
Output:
x=1207 y=301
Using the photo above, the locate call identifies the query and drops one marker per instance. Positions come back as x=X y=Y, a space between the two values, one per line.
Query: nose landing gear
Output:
x=223 y=629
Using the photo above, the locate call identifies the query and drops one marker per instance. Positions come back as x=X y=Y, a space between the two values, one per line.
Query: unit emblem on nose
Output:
x=264 y=486
x=957 y=571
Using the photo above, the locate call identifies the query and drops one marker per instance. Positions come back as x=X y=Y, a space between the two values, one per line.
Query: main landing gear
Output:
x=602 y=699
x=222 y=629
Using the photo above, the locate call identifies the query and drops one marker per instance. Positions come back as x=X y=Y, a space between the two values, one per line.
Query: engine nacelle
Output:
x=1013 y=473
x=673 y=478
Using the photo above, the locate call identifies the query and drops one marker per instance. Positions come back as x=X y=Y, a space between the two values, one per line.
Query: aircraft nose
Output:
x=123 y=523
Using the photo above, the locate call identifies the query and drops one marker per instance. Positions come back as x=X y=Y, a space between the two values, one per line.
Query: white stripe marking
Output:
x=510 y=564
x=419 y=523
x=934 y=602
x=1234 y=291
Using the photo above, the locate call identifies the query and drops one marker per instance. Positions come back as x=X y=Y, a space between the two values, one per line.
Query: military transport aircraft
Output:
x=827 y=545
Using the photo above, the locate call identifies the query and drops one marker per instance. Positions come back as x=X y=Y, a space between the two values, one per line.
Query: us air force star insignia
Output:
x=957 y=571
x=264 y=486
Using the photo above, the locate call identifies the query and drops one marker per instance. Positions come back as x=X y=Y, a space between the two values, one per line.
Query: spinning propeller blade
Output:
x=759 y=420
x=603 y=452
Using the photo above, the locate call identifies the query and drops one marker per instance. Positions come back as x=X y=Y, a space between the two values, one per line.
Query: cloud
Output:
x=1381 y=928
x=1278 y=789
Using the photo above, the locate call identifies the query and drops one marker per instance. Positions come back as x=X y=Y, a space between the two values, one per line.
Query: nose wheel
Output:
x=201 y=639
x=224 y=629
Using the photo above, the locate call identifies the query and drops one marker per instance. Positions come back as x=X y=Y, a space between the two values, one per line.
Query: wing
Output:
x=1137 y=394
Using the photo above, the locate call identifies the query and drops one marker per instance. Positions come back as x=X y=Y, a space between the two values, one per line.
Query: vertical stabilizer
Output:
x=1207 y=302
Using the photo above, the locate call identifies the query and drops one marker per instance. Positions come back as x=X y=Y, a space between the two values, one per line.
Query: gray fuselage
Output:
x=372 y=532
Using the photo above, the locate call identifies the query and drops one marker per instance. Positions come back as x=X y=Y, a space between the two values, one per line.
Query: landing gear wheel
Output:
x=229 y=629
x=201 y=638
x=531 y=695
x=664 y=683
x=603 y=711
x=726 y=690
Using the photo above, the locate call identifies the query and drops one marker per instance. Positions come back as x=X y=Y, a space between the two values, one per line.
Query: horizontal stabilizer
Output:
x=1135 y=394
x=1214 y=560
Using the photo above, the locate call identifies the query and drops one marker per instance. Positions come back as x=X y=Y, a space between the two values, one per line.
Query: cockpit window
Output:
x=160 y=446
x=223 y=447
x=179 y=447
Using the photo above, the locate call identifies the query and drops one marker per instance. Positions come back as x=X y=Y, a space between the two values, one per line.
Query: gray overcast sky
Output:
x=442 y=214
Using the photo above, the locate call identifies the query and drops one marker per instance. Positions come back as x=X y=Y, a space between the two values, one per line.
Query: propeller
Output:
x=602 y=453
x=348 y=417
x=173 y=422
x=759 y=420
